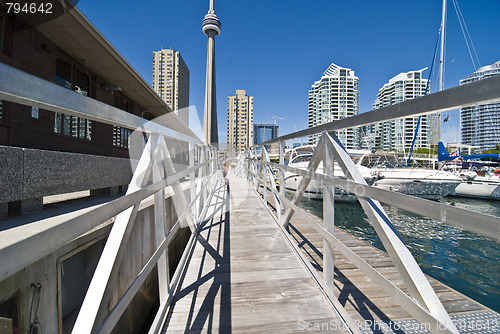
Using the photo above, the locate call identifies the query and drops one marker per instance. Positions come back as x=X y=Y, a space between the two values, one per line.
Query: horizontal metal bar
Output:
x=397 y=294
x=23 y=88
x=474 y=93
x=181 y=267
x=47 y=242
x=337 y=306
x=129 y=294
x=158 y=321
x=480 y=223
x=131 y=291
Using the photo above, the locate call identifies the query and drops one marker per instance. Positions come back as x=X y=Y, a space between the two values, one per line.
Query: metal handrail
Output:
x=155 y=173
x=422 y=303
x=92 y=310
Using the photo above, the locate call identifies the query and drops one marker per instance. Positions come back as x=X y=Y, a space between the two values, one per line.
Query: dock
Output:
x=370 y=306
x=244 y=276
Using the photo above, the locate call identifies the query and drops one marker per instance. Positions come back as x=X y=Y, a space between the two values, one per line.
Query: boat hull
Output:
x=485 y=189
x=428 y=189
x=315 y=190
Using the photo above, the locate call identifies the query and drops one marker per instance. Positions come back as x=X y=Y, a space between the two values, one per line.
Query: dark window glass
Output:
x=2 y=32
x=66 y=124
x=63 y=73
x=121 y=136
x=82 y=83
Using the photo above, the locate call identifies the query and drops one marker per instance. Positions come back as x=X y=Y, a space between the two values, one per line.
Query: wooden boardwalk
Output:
x=243 y=275
x=367 y=304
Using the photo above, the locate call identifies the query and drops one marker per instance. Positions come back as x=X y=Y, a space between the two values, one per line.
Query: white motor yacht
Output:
x=421 y=182
x=299 y=158
x=478 y=183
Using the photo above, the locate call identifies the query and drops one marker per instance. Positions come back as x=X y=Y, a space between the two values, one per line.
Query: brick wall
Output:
x=27 y=49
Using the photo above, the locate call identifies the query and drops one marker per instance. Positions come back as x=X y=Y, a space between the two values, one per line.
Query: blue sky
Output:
x=276 y=49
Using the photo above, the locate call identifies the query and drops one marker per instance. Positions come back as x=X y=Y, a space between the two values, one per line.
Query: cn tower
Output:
x=211 y=28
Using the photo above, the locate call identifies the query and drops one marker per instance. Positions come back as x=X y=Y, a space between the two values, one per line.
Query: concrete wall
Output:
x=138 y=250
x=27 y=175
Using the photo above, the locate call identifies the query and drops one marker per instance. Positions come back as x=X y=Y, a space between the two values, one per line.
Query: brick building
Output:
x=68 y=50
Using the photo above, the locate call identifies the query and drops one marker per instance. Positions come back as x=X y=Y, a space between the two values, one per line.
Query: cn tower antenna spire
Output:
x=211 y=27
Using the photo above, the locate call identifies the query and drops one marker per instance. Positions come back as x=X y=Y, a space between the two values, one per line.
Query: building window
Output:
x=64 y=73
x=74 y=273
x=121 y=136
x=73 y=126
x=9 y=309
x=2 y=32
x=77 y=127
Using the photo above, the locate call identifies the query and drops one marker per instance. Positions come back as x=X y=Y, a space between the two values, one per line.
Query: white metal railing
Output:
x=422 y=302
x=154 y=174
x=157 y=164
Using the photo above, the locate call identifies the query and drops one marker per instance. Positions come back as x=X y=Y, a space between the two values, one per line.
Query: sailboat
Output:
x=481 y=178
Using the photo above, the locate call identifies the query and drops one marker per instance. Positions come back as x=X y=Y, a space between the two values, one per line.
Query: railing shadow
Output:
x=348 y=291
x=211 y=287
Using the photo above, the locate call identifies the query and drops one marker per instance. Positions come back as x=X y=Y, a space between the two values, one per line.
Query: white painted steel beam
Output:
x=23 y=88
x=111 y=256
x=328 y=217
x=415 y=280
x=485 y=225
x=304 y=182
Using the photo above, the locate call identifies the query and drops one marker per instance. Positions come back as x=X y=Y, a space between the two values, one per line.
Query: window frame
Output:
x=67 y=125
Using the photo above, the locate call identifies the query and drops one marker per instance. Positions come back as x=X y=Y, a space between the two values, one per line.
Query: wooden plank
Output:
x=244 y=276
x=364 y=300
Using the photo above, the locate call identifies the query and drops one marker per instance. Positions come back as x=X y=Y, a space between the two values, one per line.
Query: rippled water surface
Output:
x=464 y=261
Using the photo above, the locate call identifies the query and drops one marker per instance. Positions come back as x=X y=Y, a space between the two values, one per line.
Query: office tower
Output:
x=480 y=125
x=239 y=121
x=211 y=28
x=264 y=132
x=171 y=80
x=333 y=97
x=398 y=134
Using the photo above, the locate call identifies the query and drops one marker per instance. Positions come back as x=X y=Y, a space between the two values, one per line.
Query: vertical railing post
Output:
x=204 y=182
x=263 y=172
x=247 y=163
x=281 y=177
x=199 y=182
x=159 y=224
x=328 y=218
x=192 y=184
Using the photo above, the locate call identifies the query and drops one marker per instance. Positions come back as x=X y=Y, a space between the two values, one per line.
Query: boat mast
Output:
x=442 y=47
x=437 y=121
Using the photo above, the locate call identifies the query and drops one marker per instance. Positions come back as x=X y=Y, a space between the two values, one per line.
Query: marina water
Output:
x=467 y=262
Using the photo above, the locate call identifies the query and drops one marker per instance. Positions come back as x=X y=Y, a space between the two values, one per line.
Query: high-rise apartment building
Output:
x=480 y=125
x=398 y=134
x=239 y=121
x=333 y=97
x=171 y=80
